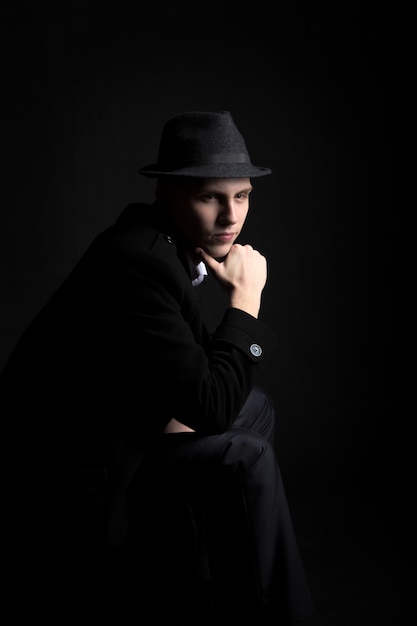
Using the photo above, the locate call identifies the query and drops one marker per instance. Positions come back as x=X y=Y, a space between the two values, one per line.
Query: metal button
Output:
x=255 y=349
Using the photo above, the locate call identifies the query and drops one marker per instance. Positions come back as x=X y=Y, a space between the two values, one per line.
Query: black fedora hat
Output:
x=202 y=144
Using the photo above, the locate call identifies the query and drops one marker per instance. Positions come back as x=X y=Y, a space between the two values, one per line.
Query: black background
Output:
x=316 y=89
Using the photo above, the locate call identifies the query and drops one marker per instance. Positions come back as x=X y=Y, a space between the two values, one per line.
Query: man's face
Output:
x=209 y=213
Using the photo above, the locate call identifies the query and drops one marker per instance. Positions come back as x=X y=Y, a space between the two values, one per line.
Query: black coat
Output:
x=123 y=346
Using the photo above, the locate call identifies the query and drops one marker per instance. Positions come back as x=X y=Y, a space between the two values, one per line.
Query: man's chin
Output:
x=220 y=252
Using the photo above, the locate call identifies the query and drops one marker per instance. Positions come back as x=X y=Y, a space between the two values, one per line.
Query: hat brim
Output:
x=214 y=170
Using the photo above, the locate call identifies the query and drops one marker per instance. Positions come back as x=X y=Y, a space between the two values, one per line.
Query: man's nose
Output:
x=228 y=213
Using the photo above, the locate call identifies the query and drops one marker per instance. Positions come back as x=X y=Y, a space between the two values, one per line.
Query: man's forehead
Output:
x=224 y=185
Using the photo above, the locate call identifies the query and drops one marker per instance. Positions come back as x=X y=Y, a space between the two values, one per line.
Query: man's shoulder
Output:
x=137 y=237
x=136 y=217
x=135 y=211
x=134 y=230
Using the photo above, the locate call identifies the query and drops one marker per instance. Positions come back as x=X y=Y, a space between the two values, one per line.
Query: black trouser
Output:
x=207 y=519
x=232 y=488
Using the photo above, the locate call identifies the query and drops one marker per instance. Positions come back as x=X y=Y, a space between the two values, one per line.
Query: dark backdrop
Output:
x=316 y=90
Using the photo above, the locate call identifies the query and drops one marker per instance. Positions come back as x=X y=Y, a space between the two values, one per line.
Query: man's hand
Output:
x=174 y=426
x=242 y=274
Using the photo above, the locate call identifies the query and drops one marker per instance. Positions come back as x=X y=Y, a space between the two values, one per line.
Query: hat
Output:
x=203 y=145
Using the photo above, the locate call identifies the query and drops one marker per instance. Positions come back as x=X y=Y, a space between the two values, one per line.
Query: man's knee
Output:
x=243 y=450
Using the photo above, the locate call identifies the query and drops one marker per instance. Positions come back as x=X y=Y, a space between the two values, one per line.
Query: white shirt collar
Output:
x=198 y=272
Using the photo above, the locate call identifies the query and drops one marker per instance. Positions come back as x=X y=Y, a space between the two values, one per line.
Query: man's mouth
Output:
x=224 y=237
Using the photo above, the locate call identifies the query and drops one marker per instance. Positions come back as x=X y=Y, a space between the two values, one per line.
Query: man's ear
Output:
x=162 y=191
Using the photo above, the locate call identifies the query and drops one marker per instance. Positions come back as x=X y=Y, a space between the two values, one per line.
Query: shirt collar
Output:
x=198 y=272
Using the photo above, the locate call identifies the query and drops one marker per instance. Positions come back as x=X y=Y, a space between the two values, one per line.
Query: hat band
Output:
x=230 y=157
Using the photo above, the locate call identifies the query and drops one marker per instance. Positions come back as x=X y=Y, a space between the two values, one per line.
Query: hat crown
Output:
x=203 y=144
x=190 y=137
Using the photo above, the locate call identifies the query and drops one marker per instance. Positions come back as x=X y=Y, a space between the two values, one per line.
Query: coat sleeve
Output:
x=165 y=354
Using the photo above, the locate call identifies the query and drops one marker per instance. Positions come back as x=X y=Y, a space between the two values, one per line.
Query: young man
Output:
x=134 y=407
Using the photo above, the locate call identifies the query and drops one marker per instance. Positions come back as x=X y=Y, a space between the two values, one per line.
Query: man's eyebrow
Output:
x=247 y=190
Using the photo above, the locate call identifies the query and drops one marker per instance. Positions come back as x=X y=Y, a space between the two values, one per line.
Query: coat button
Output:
x=168 y=238
x=255 y=349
